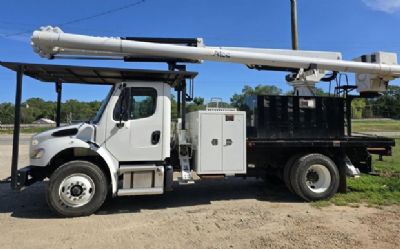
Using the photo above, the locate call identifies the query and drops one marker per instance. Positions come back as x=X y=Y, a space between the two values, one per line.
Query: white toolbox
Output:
x=219 y=141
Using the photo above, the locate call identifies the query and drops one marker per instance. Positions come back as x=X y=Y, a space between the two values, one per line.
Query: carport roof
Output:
x=95 y=75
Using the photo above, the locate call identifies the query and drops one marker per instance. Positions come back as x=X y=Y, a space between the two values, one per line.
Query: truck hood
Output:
x=83 y=131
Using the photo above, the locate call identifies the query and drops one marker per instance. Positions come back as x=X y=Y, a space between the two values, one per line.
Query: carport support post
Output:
x=17 y=123
x=58 y=114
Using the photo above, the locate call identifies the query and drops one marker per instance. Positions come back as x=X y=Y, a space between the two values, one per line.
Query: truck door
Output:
x=135 y=127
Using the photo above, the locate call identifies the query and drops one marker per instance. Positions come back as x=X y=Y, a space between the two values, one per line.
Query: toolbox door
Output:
x=233 y=144
x=210 y=143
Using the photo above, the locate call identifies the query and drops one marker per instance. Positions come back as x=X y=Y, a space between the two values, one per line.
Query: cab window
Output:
x=135 y=103
x=142 y=103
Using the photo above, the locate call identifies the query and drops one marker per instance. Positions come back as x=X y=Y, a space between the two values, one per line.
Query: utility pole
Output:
x=295 y=42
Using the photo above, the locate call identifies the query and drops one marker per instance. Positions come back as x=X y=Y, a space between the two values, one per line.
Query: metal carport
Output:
x=59 y=74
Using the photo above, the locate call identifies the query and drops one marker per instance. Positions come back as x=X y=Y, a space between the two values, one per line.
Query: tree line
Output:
x=36 y=108
x=387 y=105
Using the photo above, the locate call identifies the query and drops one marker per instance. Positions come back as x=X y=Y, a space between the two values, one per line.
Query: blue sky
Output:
x=353 y=27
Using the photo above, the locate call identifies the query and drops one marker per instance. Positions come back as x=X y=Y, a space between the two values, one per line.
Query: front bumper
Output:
x=27 y=176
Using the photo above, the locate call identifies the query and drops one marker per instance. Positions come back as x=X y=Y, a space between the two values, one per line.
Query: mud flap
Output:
x=169 y=178
x=342 y=178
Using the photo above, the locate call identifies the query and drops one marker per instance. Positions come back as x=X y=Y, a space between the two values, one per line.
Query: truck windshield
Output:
x=99 y=113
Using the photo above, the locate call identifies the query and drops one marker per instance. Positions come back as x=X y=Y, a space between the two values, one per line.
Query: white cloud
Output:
x=388 y=6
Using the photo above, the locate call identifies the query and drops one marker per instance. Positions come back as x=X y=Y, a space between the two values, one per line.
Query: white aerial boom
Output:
x=373 y=72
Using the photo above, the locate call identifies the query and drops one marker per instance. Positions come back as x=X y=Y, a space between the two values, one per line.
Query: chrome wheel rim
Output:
x=318 y=178
x=76 y=190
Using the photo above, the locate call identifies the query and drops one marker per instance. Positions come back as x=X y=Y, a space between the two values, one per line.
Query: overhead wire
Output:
x=82 y=19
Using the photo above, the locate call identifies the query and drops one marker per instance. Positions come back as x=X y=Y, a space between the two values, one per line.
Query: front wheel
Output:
x=77 y=188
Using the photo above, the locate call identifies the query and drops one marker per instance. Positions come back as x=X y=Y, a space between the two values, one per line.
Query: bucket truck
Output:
x=131 y=149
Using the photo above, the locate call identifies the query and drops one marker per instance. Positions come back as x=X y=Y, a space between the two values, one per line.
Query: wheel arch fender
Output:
x=112 y=165
x=67 y=146
x=97 y=155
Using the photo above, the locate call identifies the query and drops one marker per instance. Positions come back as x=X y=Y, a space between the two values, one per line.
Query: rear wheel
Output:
x=314 y=177
x=77 y=188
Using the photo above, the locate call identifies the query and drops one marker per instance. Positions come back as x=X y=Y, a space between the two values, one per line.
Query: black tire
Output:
x=287 y=170
x=300 y=173
x=56 y=194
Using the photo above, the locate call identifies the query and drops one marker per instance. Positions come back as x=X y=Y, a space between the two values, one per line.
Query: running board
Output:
x=141 y=180
x=144 y=191
x=136 y=168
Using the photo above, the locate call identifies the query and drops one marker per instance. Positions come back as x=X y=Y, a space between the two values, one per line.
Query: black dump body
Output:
x=281 y=126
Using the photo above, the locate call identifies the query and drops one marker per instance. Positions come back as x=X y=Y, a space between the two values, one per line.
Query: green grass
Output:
x=372 y=190
x=26 y=130
x=366 y=125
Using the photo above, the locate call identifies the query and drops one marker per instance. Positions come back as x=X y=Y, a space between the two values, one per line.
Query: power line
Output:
x=107 y=12
x=82 y=19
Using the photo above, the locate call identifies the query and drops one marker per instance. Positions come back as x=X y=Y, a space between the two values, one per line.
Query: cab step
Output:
x=144 y=191
x=141 y=180
x=185 y=182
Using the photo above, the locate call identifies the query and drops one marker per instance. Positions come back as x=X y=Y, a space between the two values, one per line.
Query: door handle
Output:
x=155 y=137
x=229 y=142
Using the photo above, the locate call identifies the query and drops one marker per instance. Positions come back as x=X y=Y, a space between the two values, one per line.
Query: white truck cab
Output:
x=130 y=139
x=132 y=125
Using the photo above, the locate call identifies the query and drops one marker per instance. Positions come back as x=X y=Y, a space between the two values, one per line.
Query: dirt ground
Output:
x=234 y=213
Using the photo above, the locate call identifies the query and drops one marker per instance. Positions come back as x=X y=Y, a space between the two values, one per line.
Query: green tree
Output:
x=198 y=101
x=388 y=105
x=316 y=90
x=358 y=108
x=237 y=100
x=196 y=105
x=6 y=113
x=35 y=108
x=79 y=111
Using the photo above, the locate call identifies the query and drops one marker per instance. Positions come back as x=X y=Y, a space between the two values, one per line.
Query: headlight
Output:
x=35 y=142
x=37 y=154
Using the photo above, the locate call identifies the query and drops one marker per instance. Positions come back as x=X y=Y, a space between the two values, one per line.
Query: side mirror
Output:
x=121 y=115
x=122 y=107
